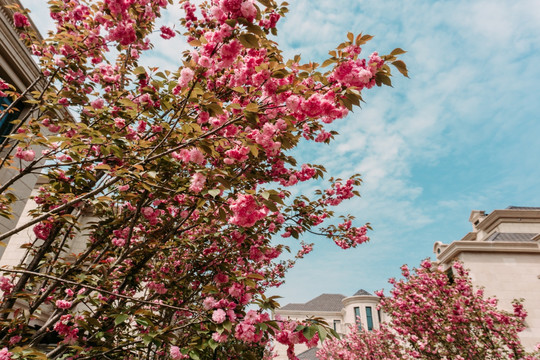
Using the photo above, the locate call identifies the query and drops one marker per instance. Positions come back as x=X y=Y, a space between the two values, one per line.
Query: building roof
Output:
x=523 y=208
x=516 y=237
x=324 y=302
x=362 y=292
x=310 y=354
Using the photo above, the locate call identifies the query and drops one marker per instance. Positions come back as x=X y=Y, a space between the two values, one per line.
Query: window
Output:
x=336 y=325
x=379 y=315
x=369 y=318
x=450 y=275
x=357 y=317
x=6 y=118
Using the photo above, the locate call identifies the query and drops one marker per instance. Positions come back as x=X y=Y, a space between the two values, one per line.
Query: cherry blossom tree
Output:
x=436 y=316
x=176 y=181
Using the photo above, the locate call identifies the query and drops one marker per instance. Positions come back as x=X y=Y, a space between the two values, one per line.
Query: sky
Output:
x=462 y=133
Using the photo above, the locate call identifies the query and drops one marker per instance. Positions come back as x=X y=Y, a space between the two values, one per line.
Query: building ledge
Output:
x=448 y=252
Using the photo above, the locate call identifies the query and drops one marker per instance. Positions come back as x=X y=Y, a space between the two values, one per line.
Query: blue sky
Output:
x=462 y=133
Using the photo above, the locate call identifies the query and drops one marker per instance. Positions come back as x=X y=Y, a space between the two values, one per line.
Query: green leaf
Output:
x=328 y=62
x=322 y=332
x=381 y=78
x=249 y=40
x=213 y=344
x=309 y=332
x=139 y=70
x=397 y=51
x=120 y=319
x=402 y=67
x=252 y=107
x=280 y=74
x=214 y=192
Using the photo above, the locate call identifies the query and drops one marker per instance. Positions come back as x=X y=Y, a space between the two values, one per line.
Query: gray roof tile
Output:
x=361 y=292
x=324 y=302
x=516 y=237
x=310 y=354
x=523 y=208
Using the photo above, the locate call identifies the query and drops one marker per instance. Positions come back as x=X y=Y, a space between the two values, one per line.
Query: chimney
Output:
x=476 y=218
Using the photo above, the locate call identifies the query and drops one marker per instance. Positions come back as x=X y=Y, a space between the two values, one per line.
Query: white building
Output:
x=503 y=255
x=339 y=311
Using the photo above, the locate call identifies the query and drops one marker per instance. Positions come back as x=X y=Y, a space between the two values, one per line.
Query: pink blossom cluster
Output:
x=353 y=235
x=362 y=344
x=197 y=182
x=234 y=9
x=339 y=192
x=289 y=335
x=356 y=73
x=64 y=327
x=5 y=354
x=3 y=86
x=6 y=285
x=64 y=304
x=246 y=329
x=246 y=211
x=176 y=354
x=25 y=154
x=43 y=229
x=20 y=20
x=167 y=33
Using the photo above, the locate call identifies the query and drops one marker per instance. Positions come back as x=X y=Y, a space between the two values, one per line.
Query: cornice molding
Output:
x=15 y=58
x=496 y=218
x=360 y=298
x=454 y=249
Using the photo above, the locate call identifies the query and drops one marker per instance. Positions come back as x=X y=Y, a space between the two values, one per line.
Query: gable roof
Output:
x=516 y=237
x=324 y=302
x=523 y=208
x=310 y=354
x=361 y=292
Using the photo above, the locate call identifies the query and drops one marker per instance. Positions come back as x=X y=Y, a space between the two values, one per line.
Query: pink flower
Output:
x=219 y=316
x=209 y=303
x=97 y=104
x=167 y=32
x=20 y=20
x=118 y=242
x=197 y=182
x=5 y=354
x=220 y=338
x=26 y=155
x=15 y=339
x=176 y=354
x=246 y=211
x=248 y=10
x=6 y=285
x=63 y=304
x=186 y=75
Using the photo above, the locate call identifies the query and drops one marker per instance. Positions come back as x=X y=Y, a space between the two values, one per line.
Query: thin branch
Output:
x=95 y=289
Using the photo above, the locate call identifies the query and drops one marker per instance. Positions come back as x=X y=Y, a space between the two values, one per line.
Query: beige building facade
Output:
x=339 y=311
x=18 y=68
x=502 y=253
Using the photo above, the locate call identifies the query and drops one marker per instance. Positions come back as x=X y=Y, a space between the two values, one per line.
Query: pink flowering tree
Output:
x=173 y=181
x=435 y=315
x=363 y=345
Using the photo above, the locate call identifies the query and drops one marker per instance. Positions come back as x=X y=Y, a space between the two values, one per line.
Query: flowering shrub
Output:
x=184 y=172
x=436 y=317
